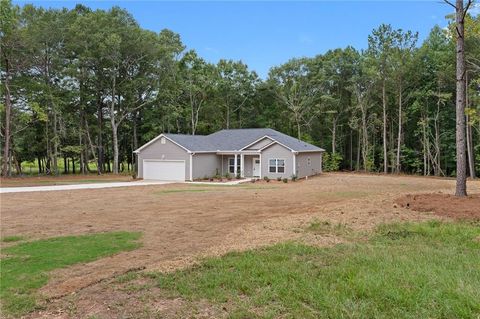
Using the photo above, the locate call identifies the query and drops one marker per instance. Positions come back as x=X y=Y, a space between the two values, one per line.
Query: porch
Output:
x=245 y=164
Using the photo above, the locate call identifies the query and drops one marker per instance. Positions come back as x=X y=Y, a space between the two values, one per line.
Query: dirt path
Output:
x=182 y=222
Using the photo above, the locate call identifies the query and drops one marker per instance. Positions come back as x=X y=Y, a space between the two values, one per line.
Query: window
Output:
x=231 y=165
x=276 y=165
x=162 y=140
x=309 y=161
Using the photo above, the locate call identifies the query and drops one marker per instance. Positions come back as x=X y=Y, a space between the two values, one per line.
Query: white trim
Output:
x=235 y=170
x=191 y=167
x=312 y=151
x=276 y=165
x=260 y=165
x=294 y=172
x=276 y=142
x=157 y=138
x=256 y=141
x=242 y=166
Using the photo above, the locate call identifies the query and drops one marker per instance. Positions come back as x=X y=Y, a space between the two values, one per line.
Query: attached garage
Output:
x=169 y=170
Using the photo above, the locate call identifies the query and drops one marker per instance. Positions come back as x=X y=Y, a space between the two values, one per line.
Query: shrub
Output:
x=331 y=162
x=227 y=176
x=285 y=180
x=266 y=179
x=294 y=178
x=279 y=179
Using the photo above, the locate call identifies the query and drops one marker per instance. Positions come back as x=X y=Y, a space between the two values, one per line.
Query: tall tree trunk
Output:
x=114 y=128
x=8 y=119
x=461 y=185
x=399 y=137
x=334 y=132
x=100 y=151
x=471 y=158
x=55 y=142
x=384 y=103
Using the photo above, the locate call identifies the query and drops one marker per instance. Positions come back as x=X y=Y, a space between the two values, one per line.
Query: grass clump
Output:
x=327 y=228
x=26 y=265
x=425 y=270
x=11 y=239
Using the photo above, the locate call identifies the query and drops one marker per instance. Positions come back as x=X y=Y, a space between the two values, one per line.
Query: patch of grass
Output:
x=426 y=270
x=209 y=188
x=11 y=239
x=185 y=190
x=326 y=227
x=26 y=267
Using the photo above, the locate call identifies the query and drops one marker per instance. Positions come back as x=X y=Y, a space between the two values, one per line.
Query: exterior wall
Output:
x=248 y=166
x=167 y=151
x=315 y=167
x=280 y=152
x=206 y=165
x=262 y=143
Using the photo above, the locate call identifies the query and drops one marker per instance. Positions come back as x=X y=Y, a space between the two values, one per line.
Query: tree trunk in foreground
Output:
x=461 y=186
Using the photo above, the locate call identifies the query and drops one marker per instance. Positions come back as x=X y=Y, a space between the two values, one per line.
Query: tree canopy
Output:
x=90 y=86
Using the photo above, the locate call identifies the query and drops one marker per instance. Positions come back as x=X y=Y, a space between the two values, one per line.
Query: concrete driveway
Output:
x=4 y=190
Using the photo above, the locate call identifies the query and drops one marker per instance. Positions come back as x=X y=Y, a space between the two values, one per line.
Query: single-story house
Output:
x=254 y=152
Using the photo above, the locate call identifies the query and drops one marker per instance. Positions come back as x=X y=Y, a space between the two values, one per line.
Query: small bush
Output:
x=294 y=178
x=266 y=179
x=279 y=179
x=331 y=162
x=285 y=180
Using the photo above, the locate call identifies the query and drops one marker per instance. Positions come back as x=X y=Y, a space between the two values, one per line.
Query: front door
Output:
x=256 y=167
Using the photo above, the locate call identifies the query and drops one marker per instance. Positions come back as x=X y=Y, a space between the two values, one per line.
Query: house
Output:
x=254 y=152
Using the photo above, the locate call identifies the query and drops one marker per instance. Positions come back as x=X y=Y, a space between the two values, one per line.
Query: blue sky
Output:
x=265 y=34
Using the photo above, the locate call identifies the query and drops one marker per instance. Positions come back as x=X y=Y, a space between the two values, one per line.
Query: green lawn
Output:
x=427 y=270
x=26 y=267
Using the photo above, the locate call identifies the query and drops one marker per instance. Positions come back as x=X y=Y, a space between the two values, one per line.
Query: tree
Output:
x=380 y=48
x=460 y=12
x=296 y=92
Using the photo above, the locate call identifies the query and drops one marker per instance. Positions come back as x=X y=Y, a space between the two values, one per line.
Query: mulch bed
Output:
x=443 y=205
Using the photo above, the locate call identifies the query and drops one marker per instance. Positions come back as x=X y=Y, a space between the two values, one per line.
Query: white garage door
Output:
x=164 y=170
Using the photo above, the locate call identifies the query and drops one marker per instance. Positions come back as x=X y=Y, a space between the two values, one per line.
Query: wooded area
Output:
x=88 y=87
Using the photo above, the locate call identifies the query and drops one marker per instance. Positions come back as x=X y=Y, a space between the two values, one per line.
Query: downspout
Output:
x=191 y=166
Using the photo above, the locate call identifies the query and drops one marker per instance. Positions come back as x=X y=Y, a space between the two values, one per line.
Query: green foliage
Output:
x=285 y=180
x=331 y=162
x=402 y=272
x=332 y=99
x=25 y=266
x=266 y=179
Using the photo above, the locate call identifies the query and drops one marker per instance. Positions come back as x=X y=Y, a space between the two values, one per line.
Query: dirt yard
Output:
x=62 y=180
x=182 y=222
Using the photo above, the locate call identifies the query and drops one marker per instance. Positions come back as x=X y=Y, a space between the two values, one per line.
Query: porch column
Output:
x=242 y=165
x=235 y=166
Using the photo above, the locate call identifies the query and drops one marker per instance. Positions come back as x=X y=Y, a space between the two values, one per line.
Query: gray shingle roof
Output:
x=234 y=140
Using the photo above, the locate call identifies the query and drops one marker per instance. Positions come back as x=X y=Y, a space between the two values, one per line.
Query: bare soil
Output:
x=445 y=205
x=182 y=223
x=45 y=180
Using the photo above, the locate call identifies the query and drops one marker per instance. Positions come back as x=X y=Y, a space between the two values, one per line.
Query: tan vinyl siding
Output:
x=262 y=143
x=277 y=151
x=206 y=165
x=167 y=151
x=303 y=167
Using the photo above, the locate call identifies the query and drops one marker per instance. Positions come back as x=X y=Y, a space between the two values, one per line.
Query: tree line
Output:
x=90 y=86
